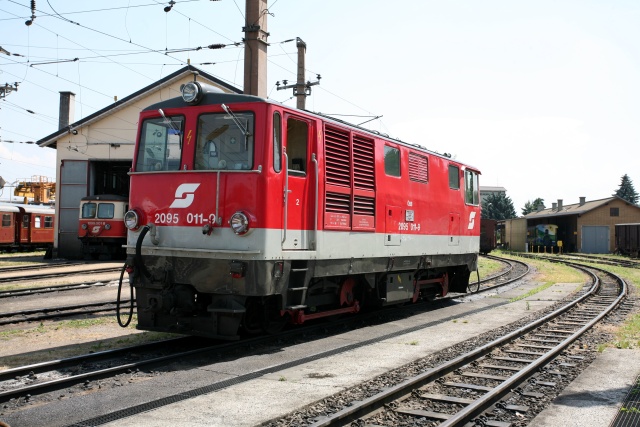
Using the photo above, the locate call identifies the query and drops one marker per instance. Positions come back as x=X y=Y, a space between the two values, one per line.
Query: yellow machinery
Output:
x=39 y=188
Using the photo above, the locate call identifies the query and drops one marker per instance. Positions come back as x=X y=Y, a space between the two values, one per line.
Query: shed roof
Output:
x=575 y=209
x=487 y=189
x=51 y=140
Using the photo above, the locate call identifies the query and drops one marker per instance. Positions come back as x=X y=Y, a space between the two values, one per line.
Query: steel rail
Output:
x=366 y=406
x=51 y=288
x=53 y=275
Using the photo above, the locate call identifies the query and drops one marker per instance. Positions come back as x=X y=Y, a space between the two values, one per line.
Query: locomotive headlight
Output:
x=239 y=223
x=85 y=226
x=131 y=220
x=191 y=92
x=107 y=226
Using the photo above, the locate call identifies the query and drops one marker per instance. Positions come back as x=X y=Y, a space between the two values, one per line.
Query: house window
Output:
x=614 y=211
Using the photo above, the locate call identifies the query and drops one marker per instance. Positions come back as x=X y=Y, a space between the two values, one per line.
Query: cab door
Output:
x=300 y=198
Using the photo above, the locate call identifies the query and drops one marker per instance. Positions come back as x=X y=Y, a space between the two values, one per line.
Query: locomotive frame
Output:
x=246 y=214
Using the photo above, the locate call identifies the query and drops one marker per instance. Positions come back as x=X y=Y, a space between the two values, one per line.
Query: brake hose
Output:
x=138 y=265
x=118 y=314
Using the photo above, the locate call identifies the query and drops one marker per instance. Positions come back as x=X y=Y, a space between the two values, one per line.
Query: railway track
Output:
x=48 y=289
x=493 y=384
x=39 y=266
x=40 y=276
x=580 y=257
x=28 y=381
x=48 y=313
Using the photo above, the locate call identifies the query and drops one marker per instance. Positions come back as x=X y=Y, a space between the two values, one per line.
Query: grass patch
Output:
x=627 y=335
x=532 y=292
x=488 y=267
x=43 y=328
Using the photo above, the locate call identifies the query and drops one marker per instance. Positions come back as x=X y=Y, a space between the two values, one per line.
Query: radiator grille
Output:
x=350 y=180
x=418 y=168
x=337 y=155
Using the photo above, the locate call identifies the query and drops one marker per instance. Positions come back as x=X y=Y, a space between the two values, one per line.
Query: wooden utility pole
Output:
x=301 y=89
x=255 y=48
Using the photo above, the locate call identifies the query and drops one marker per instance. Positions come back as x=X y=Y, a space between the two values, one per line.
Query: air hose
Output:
x=118 y=314
x=139 y=266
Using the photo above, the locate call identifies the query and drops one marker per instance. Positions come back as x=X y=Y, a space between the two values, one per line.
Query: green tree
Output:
x=532 y=206
x=498 y=206
x=626 y=190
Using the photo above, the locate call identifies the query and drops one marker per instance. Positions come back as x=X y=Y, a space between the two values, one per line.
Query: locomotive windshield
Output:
x=223 y=143
x=160 y=145
x=89 y=210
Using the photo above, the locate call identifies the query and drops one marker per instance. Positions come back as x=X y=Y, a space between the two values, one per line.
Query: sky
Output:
x=542 y=96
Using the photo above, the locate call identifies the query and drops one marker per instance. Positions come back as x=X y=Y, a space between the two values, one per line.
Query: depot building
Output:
x=94 y=154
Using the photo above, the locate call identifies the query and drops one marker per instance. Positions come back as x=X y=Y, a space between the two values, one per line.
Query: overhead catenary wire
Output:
x=114 y=54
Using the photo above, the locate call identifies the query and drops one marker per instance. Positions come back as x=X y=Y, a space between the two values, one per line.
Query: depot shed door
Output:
x=595 y=239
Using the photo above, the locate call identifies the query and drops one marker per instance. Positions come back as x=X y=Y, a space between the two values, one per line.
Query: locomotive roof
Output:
x=21 y=207
x=212 y=98
x=106 y=197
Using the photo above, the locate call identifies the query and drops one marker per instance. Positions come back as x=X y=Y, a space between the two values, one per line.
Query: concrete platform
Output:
x=596 y=396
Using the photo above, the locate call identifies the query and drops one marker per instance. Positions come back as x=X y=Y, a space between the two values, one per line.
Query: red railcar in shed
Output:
x=101 y=226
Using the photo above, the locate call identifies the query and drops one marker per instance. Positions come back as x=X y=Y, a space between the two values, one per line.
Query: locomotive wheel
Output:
x=347 y=292
x=252 y=320
x=275 y=324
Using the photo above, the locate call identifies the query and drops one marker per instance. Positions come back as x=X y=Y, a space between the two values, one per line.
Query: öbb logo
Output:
x=185 y=193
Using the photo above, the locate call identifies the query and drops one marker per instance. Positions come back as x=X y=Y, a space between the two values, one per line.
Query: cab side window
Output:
x=297 y=139
x=277 y=142
x=391 y=161
x=454 y=177
x=471 y=188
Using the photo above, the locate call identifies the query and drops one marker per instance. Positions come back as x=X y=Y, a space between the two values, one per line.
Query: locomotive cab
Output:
x=100 y=226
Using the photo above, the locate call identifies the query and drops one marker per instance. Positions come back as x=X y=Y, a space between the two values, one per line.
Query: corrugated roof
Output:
x=50 y=140
x=575 y=209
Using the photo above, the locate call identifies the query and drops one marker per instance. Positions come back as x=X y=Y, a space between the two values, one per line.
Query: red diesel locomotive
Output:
x=101 y=226
x=246 y=215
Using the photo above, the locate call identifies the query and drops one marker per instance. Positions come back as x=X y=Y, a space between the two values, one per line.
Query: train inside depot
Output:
x=246 y=215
